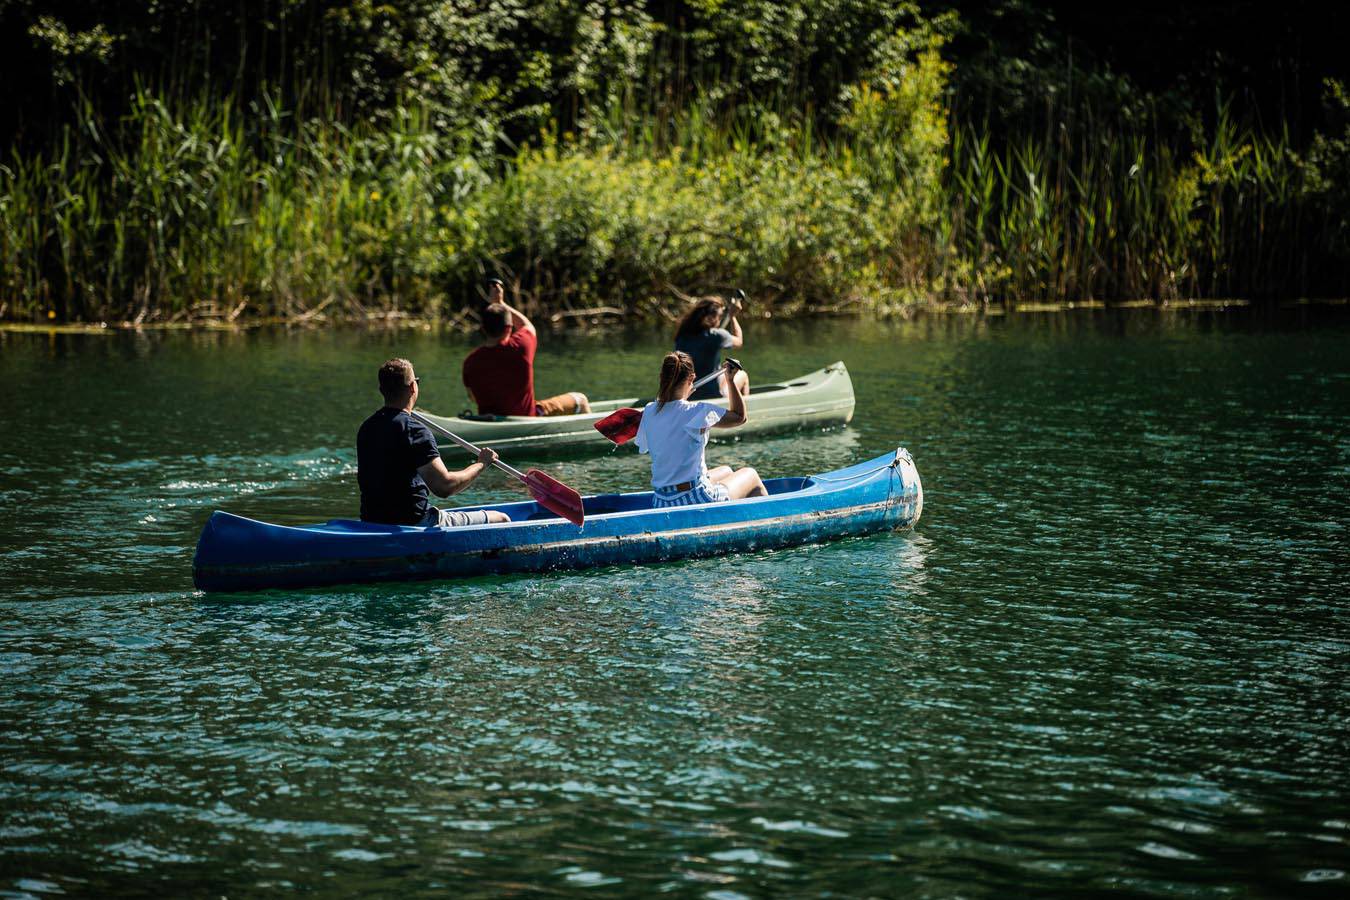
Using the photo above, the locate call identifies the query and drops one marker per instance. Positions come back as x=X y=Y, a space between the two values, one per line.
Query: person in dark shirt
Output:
x=499 y=374
x=398 y=462
x=699 y=333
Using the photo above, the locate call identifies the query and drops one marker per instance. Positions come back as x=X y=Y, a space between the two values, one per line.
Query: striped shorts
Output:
x=703 y=492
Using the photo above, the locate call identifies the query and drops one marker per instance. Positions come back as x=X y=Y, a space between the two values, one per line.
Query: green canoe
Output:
x=815 y=400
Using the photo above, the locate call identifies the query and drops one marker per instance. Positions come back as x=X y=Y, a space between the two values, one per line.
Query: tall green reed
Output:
x=1116 y=211
x=213 y=207
x=203 y=208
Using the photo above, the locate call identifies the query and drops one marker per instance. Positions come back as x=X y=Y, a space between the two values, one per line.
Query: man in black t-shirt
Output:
x=398 y=462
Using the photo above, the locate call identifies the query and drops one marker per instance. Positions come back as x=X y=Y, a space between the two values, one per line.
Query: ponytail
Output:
x=676 y=369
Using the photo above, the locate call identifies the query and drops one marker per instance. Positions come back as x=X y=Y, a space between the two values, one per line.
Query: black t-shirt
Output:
x=705 y=347
x=390 y=447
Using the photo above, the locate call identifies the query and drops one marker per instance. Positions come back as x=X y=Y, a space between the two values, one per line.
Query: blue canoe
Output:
x=239 y=554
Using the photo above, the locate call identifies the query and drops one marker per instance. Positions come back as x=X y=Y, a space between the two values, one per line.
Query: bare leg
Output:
x=740 y=379
x=745 y=483
x=495 y=515
x=719 y=474
x=569 y=404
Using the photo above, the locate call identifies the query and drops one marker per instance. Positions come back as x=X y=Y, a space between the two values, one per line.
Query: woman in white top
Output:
x=675 y=432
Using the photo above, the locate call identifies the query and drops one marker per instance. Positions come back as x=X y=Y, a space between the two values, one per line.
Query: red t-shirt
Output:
x=502 y=377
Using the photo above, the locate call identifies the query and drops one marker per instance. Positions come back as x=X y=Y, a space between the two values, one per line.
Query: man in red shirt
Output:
x=499 y=374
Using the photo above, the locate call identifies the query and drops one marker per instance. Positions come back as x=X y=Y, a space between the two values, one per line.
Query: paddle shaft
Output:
x=707 y=378
x=728 y=366
x=511 y=470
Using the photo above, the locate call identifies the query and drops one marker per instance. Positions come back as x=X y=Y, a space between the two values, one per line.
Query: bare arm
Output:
x=519 y=321
x=444 y=483
x=735 y=328
x=736 y=414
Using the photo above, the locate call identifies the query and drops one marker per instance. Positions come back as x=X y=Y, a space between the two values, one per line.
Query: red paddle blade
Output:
x=620 y=426
x=553 y=495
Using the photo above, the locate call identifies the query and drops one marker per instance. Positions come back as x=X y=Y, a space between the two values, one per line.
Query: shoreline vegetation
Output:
x=582 y=320
x=877 y=188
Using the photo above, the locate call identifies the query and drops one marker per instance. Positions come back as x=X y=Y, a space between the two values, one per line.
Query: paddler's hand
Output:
x=487 y=456
x=732 y=365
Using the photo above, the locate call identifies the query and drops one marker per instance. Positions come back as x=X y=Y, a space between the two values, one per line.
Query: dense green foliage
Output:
x=291 y=157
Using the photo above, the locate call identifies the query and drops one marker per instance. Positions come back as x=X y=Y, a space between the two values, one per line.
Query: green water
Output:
x=1113 y=656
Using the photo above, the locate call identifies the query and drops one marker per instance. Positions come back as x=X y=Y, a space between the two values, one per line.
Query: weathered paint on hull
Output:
x=890 y=497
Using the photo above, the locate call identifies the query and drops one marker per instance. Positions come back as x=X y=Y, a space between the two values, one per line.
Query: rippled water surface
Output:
x=1114 y=654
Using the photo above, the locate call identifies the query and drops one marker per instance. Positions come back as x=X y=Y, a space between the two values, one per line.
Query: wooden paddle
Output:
x=621 y=426
x=547 y=491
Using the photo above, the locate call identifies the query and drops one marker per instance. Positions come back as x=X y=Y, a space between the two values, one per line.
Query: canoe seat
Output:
x=785 y=485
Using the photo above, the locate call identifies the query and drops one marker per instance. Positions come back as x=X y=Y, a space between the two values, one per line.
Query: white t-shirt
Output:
x=675 y=438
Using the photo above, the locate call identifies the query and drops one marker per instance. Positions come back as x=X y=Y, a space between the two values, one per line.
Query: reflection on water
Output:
x=1112 y=656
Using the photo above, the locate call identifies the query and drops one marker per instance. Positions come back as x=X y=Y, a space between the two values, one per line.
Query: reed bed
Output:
x=1112 y=213
x=204 y=210
x=215 y=209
